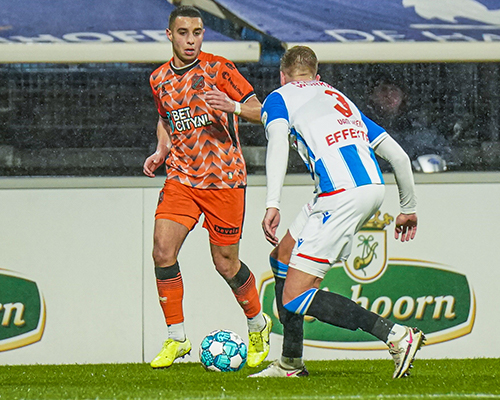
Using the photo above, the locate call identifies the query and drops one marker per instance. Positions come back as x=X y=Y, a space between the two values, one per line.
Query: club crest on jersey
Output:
x=198 y=82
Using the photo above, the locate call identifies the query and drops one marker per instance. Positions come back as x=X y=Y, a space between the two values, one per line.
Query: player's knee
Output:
x=227 y=264
x=227 y=268
x=283 y=250
x=226 y=260
x=275 y=253
x=163 y=257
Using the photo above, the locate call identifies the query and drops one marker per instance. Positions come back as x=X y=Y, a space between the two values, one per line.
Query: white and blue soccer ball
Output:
x=223 y=351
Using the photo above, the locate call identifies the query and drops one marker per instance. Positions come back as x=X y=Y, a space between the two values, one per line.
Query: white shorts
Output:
x=325 y=227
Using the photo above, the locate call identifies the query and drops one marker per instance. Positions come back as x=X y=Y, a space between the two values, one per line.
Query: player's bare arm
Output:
x=250 y=110
x=270 y=224
x=162 y=149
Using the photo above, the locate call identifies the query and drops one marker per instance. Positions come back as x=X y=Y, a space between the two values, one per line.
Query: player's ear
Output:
x=169 y=34
x=282 y=78
x=318 y=77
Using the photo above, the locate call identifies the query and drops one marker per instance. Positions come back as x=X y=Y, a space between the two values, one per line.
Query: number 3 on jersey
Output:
x=342 y=107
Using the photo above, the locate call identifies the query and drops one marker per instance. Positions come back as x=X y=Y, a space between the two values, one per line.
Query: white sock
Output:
x=176 y=332
x=397 y=333
x=257 y=323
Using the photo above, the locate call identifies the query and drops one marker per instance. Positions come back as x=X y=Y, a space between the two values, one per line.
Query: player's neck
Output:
x=300 y=78
x=184 y=67
x=179 y=64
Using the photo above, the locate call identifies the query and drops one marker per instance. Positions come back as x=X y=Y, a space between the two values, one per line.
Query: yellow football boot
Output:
x=171 y=350
x=258 y=344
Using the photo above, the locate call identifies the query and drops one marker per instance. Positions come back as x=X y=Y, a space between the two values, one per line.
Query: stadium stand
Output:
x=88 y=119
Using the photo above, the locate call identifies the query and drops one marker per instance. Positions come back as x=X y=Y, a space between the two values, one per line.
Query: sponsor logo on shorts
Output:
x=434 y=297
x=227 y=231
x=160 y=197
x=22 y=311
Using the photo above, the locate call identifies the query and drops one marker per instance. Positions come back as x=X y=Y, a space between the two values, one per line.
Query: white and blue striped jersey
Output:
x=331 y=134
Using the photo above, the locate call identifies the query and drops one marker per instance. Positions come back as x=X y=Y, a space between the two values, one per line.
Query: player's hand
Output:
x=219 y=100
x=406 y=226
x=153 y=162
x=270 y=225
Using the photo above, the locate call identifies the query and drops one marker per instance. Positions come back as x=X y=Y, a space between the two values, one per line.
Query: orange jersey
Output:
x=206 y=151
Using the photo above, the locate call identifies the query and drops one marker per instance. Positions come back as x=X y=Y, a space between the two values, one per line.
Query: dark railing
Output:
x=99 y=119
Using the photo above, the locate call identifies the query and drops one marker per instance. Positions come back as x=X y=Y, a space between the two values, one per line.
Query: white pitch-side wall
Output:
x=87 y=244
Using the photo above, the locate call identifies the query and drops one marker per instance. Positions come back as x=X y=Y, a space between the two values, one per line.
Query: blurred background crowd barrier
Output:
x=99 y=119
x=75 y=97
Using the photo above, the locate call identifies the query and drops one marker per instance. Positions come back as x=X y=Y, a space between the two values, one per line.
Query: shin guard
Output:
x=170 y=292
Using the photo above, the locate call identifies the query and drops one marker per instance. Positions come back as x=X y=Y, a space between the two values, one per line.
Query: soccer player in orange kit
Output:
x=199 y=97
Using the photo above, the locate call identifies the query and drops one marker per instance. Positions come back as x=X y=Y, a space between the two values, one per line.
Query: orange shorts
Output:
x=224 y=210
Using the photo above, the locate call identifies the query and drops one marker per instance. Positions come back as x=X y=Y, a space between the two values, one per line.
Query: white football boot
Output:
x=276 y=370
x=403 y=351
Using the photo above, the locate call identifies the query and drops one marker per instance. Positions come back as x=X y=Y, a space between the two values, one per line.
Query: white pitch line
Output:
x=364 y=397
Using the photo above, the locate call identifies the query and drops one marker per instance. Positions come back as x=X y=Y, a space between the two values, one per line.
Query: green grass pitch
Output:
x=342 y=379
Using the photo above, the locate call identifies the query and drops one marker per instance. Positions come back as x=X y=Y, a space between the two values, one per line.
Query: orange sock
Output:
x=247 y=297
x=171 y=293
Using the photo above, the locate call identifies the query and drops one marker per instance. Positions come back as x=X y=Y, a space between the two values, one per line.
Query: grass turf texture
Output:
x=342 y=379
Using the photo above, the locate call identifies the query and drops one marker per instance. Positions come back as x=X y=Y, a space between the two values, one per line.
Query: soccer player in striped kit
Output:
x=338 y=144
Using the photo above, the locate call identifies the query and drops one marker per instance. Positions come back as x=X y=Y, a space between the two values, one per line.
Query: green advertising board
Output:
x=433 y=297
x=22 y=311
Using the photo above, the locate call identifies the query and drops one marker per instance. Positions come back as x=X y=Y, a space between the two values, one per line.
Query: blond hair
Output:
x=299 y=60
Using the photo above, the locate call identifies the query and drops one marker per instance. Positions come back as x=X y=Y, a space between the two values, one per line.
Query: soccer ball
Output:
x=223 y=351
